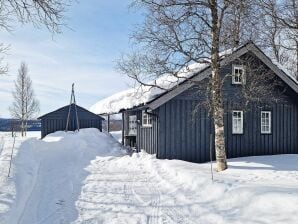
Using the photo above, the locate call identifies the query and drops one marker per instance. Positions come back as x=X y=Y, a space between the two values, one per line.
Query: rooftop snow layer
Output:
x=143 y=94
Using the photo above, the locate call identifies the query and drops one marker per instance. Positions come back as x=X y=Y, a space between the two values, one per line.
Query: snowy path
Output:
x=125 y=193
x=125 y=190
x=141 y=189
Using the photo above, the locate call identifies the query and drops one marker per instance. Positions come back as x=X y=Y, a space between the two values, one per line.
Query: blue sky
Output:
x=85 y=54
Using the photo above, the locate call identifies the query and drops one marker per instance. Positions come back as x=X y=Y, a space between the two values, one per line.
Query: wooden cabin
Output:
x=175 y=125
x=56 y=120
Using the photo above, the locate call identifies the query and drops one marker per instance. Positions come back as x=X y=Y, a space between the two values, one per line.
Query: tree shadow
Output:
x=284 y=162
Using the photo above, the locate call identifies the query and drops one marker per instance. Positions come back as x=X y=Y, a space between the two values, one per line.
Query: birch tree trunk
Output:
x=22 y=101
x=217 y=104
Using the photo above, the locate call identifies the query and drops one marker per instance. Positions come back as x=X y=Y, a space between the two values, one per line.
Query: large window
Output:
x=237 y=120
x=146 y=119
x=238 y=76
x=132 y=125
x=266 y=122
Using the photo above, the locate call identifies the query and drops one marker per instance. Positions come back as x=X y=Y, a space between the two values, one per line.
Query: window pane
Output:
x=238 y=75
x=266 y=122
x=132 y=125
x=147 y=119
x=237 y=122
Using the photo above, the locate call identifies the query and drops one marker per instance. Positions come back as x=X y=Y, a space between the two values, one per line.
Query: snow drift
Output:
x=48 y=175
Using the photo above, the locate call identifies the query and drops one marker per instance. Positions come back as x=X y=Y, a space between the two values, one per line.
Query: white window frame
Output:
x=146 y=119
x=239 y=67
x=132 y=125
x=239 y=120
x=265 y=123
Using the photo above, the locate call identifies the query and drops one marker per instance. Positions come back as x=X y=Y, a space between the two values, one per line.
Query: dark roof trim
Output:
x=160 y=100
x=82 y=108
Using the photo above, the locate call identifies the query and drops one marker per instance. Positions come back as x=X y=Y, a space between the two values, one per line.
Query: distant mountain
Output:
x=6 y=124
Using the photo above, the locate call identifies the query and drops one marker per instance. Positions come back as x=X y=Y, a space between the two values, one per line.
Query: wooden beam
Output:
x=108 y=125
x=122 y=128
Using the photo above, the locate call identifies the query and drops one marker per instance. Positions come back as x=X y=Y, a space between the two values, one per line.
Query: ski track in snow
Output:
x=146 y=197
x=152 y=194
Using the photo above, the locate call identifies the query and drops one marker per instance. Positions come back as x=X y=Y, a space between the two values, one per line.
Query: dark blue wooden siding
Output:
x=182 y=131
x=56 y=120
x=187 y=136
x=147 y=138
x=183 y=134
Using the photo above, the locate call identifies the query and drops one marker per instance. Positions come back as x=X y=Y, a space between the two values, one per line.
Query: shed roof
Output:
x=63 y=111
x=172 y=85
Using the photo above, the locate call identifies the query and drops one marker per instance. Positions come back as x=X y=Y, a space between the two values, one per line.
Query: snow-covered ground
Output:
x=85 y=177
x=117 y=135
x=48 y=175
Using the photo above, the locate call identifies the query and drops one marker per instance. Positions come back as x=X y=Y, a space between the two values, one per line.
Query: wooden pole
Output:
x=122 y=128
x=108 y=123
x=73 y=101
x=68 y=115
x=14 y=140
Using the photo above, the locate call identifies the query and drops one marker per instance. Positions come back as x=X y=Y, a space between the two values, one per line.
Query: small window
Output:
x=146 y=120
x=237 y=120
x=132 y=125
x=266 y=122
x=238 y=75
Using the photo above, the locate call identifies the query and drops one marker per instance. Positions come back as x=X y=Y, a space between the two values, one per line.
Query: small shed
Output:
x=56 y=120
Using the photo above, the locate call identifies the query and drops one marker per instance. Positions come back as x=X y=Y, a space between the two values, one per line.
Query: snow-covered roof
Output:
x=142 y=95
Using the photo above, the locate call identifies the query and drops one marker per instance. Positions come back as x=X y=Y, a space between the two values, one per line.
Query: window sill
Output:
x=147 y=126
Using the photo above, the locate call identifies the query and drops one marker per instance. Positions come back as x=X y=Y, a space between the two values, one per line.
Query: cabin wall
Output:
x=146 y=138
x=56 y=121
x=185 y=127
x=284 y=131
x=185 y=134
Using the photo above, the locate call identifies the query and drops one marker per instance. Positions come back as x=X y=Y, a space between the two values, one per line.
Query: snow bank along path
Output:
x=48 y=175
x=85 y=177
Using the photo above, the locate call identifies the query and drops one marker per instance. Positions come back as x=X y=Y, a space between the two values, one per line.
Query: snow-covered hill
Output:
x=86 y=177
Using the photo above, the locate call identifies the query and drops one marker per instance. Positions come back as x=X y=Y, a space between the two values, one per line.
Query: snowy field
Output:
x=86 y=177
